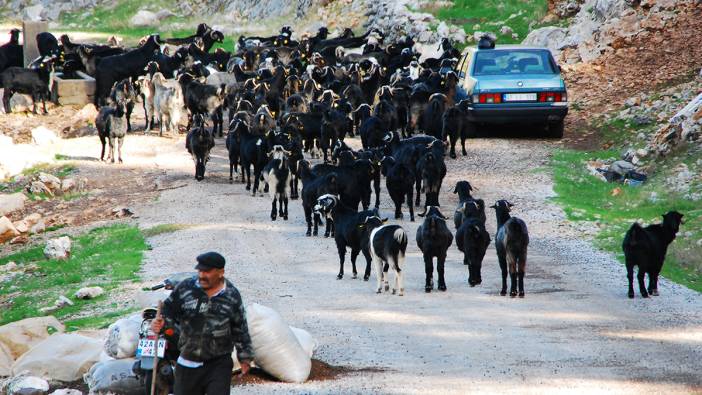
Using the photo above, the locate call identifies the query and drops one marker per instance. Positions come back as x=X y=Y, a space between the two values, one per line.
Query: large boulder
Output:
x=20 y=336
x=551 y=37
x=43 y=136
x=62 y=357
x=11 y=202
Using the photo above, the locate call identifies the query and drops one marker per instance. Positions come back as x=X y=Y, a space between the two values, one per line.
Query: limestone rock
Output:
x=59 y=248
x=12 y=202
x=89 y=292
x=143 y=18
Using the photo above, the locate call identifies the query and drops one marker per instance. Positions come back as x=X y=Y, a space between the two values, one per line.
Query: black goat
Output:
x=233 y=144
x=357 y=177
x=433 y=113
x=312 y=188
x=47 y=45
x=399 y=179
x=203 y=99
x=35 y=82
x=455 y=126
x=388 y=244
x=646 y=248
x=252 y=152
x=117 y=67
x=348 y=230
x=472 y=240
x=468 y=207
x=511 y=242
x=434 y=238
x=199 y=142
x=11 y=53
x=123 y=92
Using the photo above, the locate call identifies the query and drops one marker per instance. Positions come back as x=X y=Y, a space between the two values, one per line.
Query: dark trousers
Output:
x=213 y=378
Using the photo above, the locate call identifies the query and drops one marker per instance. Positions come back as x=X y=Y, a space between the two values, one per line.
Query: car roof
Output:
x=513 y=46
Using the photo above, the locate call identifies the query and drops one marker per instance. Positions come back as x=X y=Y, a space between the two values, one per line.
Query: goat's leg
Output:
x=463 y=145
x=43 y=103
x=248 y=177
x=400 y=280
x=410 y=205
x=130 y=108
x=642 y=287
x=6 y=101
x=341 y=248
x=354 y=255
x=327 y=227
x=453 y=139
x=274 y=209
x=285 y=211
x=521 y=269
x=503 y=269
x=418 y=190
x=376 y=188
x=120 y=141
x=112 y=150
x=512 y=265
x=308 y=219
x=440 y=260
x=367 y=272
x=103 y=141
x=231 y=171
x=630 y=278
x=378 y=273
x=429 y=273
x=315 y=232
x=653 y=284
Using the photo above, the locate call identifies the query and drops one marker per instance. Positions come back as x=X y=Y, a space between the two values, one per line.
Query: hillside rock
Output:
x=144 y=18
x=59 y=248
x=12 y=202
x=25 y=385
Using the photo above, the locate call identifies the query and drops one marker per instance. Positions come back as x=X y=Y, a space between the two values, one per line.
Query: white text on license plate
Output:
x=520 y=97
x=147 y=348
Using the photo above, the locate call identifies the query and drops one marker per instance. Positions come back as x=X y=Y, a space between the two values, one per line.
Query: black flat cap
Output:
x=210 y=260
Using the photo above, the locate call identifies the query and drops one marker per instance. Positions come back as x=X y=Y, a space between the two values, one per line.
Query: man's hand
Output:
x=157 y=324
x=245 y=367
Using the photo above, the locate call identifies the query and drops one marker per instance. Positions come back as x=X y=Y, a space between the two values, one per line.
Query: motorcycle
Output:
x=158 y=352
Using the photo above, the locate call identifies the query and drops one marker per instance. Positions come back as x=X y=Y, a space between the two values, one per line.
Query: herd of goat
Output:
x=283 y=98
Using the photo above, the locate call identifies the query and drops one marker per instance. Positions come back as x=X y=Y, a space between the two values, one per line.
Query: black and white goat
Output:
x=314 y=186
x=646 y=248
x=388 y=244
x=349 y=230
x=277 y=175
x=434 y=238
x=111 y=124
x=511 y=243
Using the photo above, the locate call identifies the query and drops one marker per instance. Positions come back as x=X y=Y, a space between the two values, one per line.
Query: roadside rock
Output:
x=43 y=136
x=85 y=116
x=89 y=292
x=21 y=103
x=20 y=336
x=33 y=13
x=12 y=202
x=26 y=385
x=66 y=391
x=6 y=361
x=38 y=187
x=7 y=229
x=59 y=248
x=51 y=181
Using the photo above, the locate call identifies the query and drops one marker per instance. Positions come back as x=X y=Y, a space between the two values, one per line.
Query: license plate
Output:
x=149 y=348
x=520 y=97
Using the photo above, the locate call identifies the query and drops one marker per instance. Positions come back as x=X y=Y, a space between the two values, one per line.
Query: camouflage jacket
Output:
x=209 y=327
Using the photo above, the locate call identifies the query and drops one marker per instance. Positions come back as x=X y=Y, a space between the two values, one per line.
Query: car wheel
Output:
x=555 y=129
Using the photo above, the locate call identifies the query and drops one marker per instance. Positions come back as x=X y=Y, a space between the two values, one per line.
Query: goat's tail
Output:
x=399 y=256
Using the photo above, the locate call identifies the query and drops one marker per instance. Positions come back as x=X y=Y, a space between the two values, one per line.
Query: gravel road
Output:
x=575 y=331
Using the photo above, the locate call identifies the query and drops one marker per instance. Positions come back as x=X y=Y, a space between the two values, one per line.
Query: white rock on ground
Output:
x=11 y=202
x=66 y=391
x=7 y=229
x=44 y=136
x=59 y=248
x=24 y=384
x=89 y=292
x=6 y=361
x=51 y=181
x=21 y=103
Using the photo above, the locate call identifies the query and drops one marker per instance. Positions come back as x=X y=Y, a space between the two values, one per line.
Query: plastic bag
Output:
x=114 y=376
x=123 y=337
x=62 y=357
x=276 y=349
x=306 y=340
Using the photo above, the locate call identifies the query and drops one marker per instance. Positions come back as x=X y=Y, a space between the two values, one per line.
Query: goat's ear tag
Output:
x=361 y=226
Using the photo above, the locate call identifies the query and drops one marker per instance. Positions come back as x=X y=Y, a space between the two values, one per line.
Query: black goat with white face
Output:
x=434 y=238
x=511 y=243
x=350 y=230
x=277 y=176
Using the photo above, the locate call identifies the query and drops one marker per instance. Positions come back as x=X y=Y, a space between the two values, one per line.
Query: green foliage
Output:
x=106 y=257
x=163 y=228
x=587 y=198
x=491 y=15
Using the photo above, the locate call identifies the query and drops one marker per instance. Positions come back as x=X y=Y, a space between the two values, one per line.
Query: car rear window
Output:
x=513 y=61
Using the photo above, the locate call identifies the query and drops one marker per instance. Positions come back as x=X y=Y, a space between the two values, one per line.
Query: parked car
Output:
x=513 y=84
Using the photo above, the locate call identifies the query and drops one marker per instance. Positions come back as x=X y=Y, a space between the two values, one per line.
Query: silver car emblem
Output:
x=520 y=84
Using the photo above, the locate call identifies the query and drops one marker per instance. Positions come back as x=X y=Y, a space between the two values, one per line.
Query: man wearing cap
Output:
x=210 y=314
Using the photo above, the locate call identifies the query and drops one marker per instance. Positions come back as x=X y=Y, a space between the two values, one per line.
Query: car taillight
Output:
x=552 y=97
x=490 y=98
